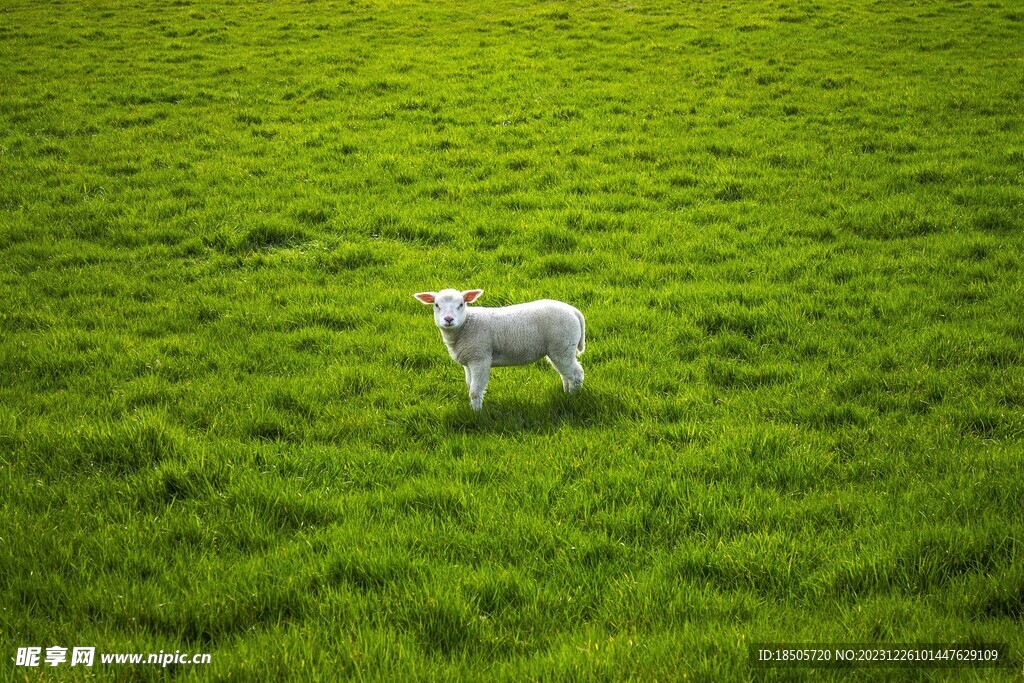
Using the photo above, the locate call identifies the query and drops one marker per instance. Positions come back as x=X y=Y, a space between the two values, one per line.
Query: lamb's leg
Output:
x=565 y=380
x=569 y=368
x=478 y=376
x=468 y=382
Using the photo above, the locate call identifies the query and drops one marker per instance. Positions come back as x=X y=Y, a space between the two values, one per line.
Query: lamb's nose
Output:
x=448 y=318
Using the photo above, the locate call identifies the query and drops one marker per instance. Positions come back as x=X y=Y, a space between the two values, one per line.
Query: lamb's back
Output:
x=523 y=333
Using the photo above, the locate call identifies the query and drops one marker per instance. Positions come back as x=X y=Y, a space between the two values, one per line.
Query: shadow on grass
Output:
x=587 y=408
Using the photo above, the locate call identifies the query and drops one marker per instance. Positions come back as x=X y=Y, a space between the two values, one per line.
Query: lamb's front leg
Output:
x=478 y=374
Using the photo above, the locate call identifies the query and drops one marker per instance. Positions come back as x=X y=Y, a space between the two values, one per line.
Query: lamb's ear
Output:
x=426 y=297
x=471 y=295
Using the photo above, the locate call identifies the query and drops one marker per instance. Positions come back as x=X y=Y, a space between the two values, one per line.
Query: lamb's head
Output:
x=449 y=306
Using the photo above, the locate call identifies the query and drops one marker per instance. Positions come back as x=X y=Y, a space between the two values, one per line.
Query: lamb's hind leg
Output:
x=569 y=368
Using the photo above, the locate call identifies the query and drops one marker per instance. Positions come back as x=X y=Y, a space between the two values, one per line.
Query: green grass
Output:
x=795 y=229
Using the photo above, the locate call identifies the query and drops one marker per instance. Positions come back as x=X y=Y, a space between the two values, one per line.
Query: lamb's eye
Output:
x=461 y=305
x=437 y=305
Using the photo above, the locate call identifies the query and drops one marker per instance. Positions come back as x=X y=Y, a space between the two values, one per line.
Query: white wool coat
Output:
x=516 y=335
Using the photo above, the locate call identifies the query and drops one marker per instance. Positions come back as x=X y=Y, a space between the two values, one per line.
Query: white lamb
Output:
x=482 y=338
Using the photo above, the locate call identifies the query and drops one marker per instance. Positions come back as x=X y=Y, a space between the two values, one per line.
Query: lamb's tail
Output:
x=583 y=333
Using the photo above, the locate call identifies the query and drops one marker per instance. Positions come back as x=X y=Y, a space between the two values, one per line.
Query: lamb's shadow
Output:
x=586 y=408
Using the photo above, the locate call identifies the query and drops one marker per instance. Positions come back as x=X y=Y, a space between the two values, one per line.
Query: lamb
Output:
x=481 y=338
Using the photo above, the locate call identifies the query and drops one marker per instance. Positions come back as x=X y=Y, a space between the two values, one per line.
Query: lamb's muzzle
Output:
x=482 y=338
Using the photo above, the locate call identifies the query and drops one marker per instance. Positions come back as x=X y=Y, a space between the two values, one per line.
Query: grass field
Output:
x=226 y=426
